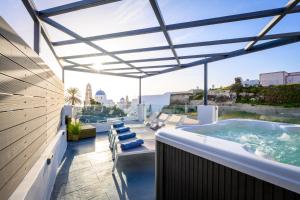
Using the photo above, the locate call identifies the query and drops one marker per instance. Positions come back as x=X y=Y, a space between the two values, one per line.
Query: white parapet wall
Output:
x=207 y=114
x=68 y=110
x=141 y=112
x=39 y=181
x=101 y=127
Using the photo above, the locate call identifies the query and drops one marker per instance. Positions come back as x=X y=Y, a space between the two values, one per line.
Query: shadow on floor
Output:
x=85 y=173
x=134 y=177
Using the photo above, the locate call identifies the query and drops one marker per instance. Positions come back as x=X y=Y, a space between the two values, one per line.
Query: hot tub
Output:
x=231 y=159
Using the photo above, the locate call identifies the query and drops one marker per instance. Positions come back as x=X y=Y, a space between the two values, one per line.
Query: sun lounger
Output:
x=159 y=122
x=147 y=147
x=118 y=125
x=114 y=125
x=126 y=136
x=170 y=121
x=125 y=146
x=174 y=120
x=113 y=135
x=114 y=145
x=122 y=129
x=151 y=118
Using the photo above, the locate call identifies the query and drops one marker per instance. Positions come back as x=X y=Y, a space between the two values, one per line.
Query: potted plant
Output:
x=74 y=130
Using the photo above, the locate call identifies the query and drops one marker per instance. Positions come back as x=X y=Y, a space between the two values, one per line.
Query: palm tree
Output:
x=73 y=96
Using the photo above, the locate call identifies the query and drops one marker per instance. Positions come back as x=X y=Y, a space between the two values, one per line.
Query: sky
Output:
x=136 y=14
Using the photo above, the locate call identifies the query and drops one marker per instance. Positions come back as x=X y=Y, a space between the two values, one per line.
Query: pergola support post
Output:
x=207 y=114
x=205 y=85
x=37 y=36
x=140 y=90
x=141 y=107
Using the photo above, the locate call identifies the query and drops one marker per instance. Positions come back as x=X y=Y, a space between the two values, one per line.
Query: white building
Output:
x=248 y=82
x=100 y=97
x=279 y=78
x=293 y=77
x=157 y=102
x=109 y=103
x=122 y=104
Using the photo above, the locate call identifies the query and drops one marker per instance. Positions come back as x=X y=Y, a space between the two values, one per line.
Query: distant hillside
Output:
x=280 y=95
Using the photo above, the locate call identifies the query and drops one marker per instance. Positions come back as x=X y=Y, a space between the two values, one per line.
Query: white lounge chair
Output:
x=151 y=118
x=119 y=142
x=146 y=148
x=171 y=121
x=174 y=120
x=111 y=130
x=113 y=135
x=159 y=122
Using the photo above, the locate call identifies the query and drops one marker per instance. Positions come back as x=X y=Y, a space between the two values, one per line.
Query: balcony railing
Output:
x=189 y=110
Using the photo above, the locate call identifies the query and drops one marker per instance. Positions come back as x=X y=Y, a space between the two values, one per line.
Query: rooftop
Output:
x=32 y=96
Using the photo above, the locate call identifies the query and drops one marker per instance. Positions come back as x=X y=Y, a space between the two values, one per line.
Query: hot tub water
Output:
x=273 y=141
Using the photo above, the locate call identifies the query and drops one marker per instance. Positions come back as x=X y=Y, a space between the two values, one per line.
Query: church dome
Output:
x=100 y=92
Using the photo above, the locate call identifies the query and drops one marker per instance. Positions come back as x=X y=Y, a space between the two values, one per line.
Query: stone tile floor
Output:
x=85 y=173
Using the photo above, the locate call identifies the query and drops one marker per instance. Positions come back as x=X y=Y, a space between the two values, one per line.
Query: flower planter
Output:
x=72 y=137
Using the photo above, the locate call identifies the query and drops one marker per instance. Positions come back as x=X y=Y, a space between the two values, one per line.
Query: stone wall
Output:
x=180 y=99
x=261 y=109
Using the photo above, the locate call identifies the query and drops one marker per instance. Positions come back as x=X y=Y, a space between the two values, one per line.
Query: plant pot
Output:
x=72 y=137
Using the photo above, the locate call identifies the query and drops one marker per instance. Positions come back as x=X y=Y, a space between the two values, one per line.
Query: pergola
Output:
x=267 y=41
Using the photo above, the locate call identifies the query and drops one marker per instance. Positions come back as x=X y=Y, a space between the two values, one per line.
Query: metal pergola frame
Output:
x=275 y=40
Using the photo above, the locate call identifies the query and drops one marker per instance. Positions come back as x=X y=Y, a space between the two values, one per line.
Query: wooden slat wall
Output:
x=182 y=175
x=31 y=100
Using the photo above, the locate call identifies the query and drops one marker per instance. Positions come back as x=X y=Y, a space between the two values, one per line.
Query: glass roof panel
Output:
x=42 y=4
x=290 y=23
x=156 y=69
x=80 y=68
x=95 y=60
x=155 y=63
x=146 y=55
x=133 y=42
x=74 y=49
x=186 y=61
x=100 y=66
x=131 y=14
x=109 y=18
x=64 y=63
x=136 y=74
x=224 y=48
x=114 y=66
x=126 y=71
x=191 y=10
x=55 y=34
x=219 y=31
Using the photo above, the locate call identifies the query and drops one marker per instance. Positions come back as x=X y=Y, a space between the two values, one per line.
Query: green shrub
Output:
x=197 y=96
x=103 y=111
x=281 y=95
x=74 y=128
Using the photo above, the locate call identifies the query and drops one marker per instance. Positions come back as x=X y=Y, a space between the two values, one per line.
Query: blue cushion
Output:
x=118 y=125
x=122 y=129
x=132 y=144
x=126 y=136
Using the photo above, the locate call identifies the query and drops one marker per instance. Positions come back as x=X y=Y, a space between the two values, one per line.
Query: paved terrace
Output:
x=85 y=173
